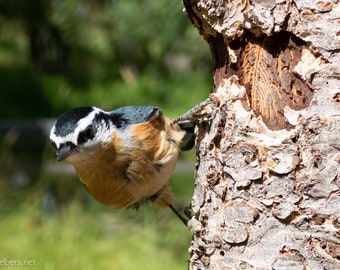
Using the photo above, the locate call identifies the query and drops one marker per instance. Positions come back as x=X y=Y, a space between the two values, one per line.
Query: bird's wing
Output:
x=130 y=115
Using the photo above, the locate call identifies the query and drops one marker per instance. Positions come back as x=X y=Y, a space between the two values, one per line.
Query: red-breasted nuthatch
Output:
x=124 y=157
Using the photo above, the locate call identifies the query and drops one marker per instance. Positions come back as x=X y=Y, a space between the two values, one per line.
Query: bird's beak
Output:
x=65 y=150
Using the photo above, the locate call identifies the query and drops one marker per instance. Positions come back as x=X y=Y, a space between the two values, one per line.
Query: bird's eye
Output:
x=89 y=132
x=86 y=135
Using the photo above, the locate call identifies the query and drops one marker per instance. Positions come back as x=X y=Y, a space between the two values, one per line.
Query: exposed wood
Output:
x=266 y=68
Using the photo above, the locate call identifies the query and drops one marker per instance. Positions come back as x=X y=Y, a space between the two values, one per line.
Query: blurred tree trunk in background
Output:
x=267 y=181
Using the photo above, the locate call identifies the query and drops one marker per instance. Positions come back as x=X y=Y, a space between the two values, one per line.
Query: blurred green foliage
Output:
x=81 y=234
x=58 y=54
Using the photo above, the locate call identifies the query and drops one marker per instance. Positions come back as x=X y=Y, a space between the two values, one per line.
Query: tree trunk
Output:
x=267 y=181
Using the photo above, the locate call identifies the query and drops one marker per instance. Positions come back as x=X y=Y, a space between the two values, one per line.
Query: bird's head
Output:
x=80 y=131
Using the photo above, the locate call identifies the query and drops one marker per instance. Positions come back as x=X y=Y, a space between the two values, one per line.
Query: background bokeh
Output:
x=59 y=54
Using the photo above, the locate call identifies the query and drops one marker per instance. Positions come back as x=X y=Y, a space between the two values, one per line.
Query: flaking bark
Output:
x=267 y=180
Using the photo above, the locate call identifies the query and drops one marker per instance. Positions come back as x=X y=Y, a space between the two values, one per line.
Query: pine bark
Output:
x=268 y=176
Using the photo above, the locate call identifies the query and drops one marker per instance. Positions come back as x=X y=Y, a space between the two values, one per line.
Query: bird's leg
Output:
x=183 y=219
x=194 y=113
x=188 y=211
x=189 y=119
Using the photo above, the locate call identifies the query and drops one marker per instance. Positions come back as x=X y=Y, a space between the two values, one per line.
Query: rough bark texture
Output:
x=268 y=175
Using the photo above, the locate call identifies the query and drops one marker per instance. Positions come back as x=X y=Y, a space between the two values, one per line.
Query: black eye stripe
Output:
x=86 y=134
